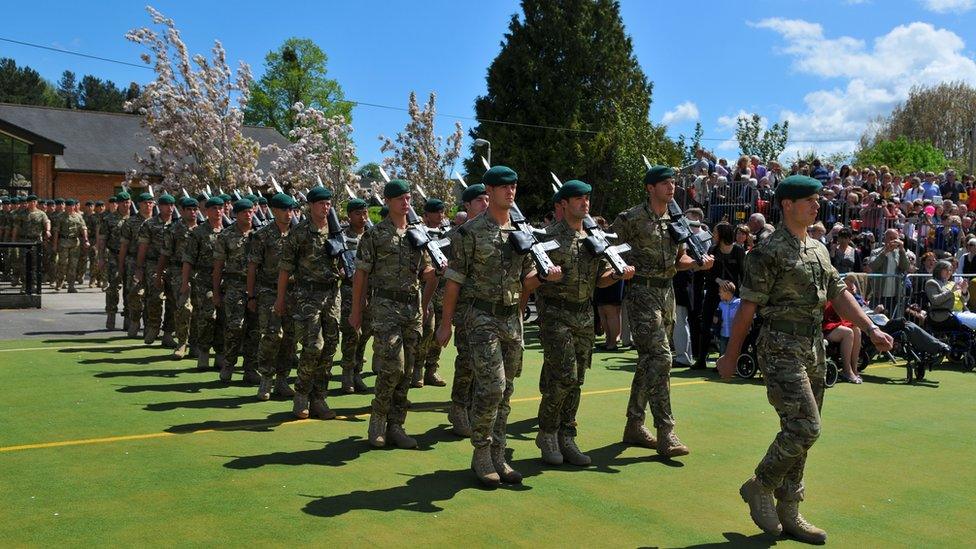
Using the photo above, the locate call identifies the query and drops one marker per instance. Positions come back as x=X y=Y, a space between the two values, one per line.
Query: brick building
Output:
x=55 y=152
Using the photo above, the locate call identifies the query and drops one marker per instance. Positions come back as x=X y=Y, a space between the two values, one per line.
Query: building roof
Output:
x=101 y=142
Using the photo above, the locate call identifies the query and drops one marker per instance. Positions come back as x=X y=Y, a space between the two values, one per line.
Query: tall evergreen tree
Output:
x=24 y=86
x=569 y=64
x=95 y=94
x=68 y=90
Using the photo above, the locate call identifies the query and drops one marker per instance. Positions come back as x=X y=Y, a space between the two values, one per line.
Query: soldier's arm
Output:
x=252 y=275
x=141 y=256
x=185 y=283
x=161 y=265
x=451 y=291
x=429 y=276
x=215 y=278
x=123 y=250
x=360 y=284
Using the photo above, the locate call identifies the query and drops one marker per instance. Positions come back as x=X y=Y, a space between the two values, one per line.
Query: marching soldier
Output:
x=230 y=292
x=276 y=352
x=390 y=269
x=651 y=308
x=566 y=326
x=428 y=352
x=35 y=227
x=485 y=264
x=85 y=264
x=6 y=229
x=305 y=258
x=788 y=279
x=134 y=286
x=108 y=239
x=55 y=213
x=354 y=342
x=71 y=241
x=151 y=238
x=169 y=273
x=198 y=267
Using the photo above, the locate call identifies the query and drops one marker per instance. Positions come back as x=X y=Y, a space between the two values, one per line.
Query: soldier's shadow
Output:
x=735 y=539
x=255 y=425
x=190 y=387
x=128 y=360
x=166 y=372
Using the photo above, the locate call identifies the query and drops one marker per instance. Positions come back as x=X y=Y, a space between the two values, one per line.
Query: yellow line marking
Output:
x=123 y=438
x=105 y=346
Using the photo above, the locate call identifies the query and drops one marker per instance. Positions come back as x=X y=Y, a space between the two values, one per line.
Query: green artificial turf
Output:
x=893 y=467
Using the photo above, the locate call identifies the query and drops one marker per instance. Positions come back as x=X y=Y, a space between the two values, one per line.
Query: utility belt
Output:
x=494 y=308
x=407 y=298
x=567 y=305
x=650 y=282
x=792 y=327
x=318 y=286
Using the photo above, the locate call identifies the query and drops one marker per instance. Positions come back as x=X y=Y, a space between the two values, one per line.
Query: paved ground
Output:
x=62 y=314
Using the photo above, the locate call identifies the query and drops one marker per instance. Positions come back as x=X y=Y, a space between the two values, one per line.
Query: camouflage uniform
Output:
x=490 y=271
x=790 y=281
x=429 y=352
x=152 y=234
x=650 y=310
x=394 y=267
x=5 y=222
x=50 y=253
x=240 y=324
x=276 y=352
x=463 y=380
x=129 y=232
x=96 y=276
x=198 y=252
x=353 y=344
x=70 y=231
x=175 y=238
x=305 y=257
x=109 y=229
x=30 y=228
x=566 y=328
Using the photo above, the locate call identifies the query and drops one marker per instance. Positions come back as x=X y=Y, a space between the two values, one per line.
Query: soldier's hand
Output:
x=726 y=366
x=444 y=335
x=356 y=320
x=707 y=262
x=279 y=307
x=882 y=341
x=555 y=274
x=629 y=272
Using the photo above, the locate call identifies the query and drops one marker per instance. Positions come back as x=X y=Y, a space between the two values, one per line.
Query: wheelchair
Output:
x=921 y=351
x=747 y=364
x=961 y=341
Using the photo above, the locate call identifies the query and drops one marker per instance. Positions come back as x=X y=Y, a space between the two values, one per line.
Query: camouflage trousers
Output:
x=113 y=281
x=50 y=261
x=180 y=305
x=240 y=323
x=156 y=299
x=463 y=374
x=396 y=337
x=793 y=369
x=68 y=257
x=20 y=264
x=429 y=352
x=277 y=350
x=97 y=274
x=650 y=312
x=353 y=344
x=136 y=291
x=567 y=345
x=495 y=349
x=316 y=317
x=84 y=260
x=207 y=320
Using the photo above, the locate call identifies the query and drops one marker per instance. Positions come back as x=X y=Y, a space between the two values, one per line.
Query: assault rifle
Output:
x=337 y=242
x=420 y=237
x=598 y=241
x=681 y=233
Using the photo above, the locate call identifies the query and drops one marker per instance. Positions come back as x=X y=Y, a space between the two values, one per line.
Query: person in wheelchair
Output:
x=847 y=337
x=946 y=300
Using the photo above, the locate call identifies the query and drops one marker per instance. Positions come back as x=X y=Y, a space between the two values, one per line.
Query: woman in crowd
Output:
x=946 y=298
x=729 y=259
x=844 y=256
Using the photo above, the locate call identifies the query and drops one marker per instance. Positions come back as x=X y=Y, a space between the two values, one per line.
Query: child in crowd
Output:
x=725 y=314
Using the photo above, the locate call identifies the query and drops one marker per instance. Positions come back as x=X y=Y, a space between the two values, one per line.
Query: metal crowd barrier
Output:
x=23 y=261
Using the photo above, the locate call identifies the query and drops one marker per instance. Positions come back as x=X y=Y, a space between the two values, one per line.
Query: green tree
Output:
x=689 y=150
x=369 y=172
x=767 y=144
x=569 y=64
x=903 y=156
x=24 y=86
x=95 y=94
x=294 y=73
x=68 y=90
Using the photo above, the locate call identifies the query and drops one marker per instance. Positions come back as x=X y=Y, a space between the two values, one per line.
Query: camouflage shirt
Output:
x=152 y=232
x=265 y=252
x=70 y=229
x=790 y=280
x=305 y=255
x=110 y=229
x=32 y=224
x=653 y=252
x=232 y=248
x=581 y=269
x=199 y=248
x=483 y=262
x=391 y=262
x=129 y=232
x=174 y=242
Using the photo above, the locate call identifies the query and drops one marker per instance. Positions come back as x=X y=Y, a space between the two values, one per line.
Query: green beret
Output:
x=356 y=204
x=243 y=204
x=15 y=200
x=189 y=202
x=122 y=196
x=226 y=197
x=113 y=199
x=499 y=175
x=166 y=199
x=70 y=202
x=89 y=203
x=473 y=191
x=99 y=203
x=252 y=197
x=215 y=202
x=283 y=201
x=574 y=188
x=145 y=197
x=317 y=194
x=262 y=200
x=796 y=187
x=656 y=174
x=395 y=188
x=434 y=205
x=384 y=211
x=31 y=197
x=59 y=201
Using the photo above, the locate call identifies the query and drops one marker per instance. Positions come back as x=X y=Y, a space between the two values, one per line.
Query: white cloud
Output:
x=681 y=113
x=946 y=6
x=876 y=78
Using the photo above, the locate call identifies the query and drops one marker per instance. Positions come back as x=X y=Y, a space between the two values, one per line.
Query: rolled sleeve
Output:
x=451 y=274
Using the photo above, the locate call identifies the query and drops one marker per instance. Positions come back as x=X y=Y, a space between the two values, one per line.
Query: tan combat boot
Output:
x=668 y=444
x=505 y=471
x=571 y=452
x=320 y=409
x=281 y=387
x=203 y=358
x=550 y=448
x=110 y=321
x=458 y=417
x=431 y=378
x=483 y=467
x=300 y=406
x=348 y=386
x=396 y=435
x=418 y=378
x=226 y=369
x=264 y=389
x=796 y=526
x=762 y=507
x=377 y=430
x=636 y=433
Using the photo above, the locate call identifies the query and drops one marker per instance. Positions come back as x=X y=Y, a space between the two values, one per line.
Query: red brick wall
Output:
x=42 y=178
x=86 y=186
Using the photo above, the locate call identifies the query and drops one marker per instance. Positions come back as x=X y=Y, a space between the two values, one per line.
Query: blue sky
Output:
x=828 y=66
